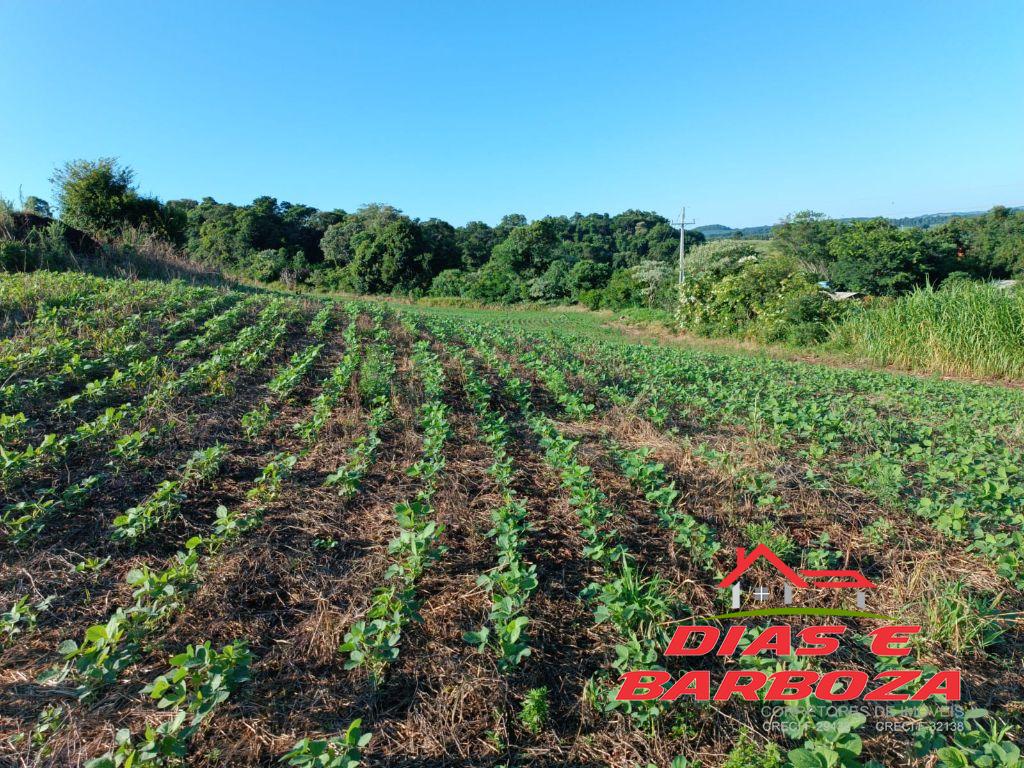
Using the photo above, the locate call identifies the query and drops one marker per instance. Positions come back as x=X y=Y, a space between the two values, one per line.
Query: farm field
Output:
x=248 y=528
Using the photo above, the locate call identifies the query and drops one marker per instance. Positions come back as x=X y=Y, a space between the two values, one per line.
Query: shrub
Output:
x=16 y=257
x=770 y=300
x=720 y=258
x=878 y=258
x=498 y=283
x=450 y=282
x=553 y=284
x=798 y=313
x=591 y=298
x=623 y=290
x=587 y=275
x=266 y=265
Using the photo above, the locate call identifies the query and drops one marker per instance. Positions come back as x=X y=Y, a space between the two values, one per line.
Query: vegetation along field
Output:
x=248 y=528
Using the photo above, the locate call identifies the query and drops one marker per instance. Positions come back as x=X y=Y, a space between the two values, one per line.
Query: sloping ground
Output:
x=340 y=498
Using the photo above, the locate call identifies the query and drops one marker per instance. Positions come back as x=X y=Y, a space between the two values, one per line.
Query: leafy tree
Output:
x=441 y=246
x=990 y=246
x=388 y=256
x=38 y=206
x=654 y=279
x=622 y=291
x=804 y=236
x=497 y=282
x=719 y=258
x=553 y=284
x=509 y=222
x=877 y=258
x=451 y=282
x=266 y=265
x=475 y=241
x=100 y=197
x=587 y=275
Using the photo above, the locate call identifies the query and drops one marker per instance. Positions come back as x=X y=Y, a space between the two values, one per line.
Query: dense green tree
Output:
x=553 y=284
x=990 y=246
x=587 y=275
x=441 y=246
x=100 y=197
x=452 y=282
x=622 y=291
x=498 y=282
x=528 y=249
x=804 y=236
x=877 y=258
x=388 y=255
x=476 y=240
x=509 y=222
x=38 y=206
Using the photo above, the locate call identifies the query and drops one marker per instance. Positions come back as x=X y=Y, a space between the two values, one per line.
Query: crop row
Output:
x=373 y=643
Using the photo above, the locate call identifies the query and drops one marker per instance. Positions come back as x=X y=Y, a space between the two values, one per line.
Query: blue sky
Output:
x=744 y=111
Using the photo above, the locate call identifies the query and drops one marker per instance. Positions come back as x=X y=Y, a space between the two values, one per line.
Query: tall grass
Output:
x=967 y=328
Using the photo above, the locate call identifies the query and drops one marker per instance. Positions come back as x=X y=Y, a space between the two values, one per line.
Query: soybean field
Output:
x=245 y=528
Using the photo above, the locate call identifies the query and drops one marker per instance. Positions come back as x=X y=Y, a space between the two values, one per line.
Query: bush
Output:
x=498 y=283
x=623 y=290
x=553 y=284
x=878 y=258
x=720 y=258
x=450 y=282
x=16 y=257
x=330 y=278
x=587 y=275
x=769 y=300
x=798 y=313
x=591 y=298
x=266 y=265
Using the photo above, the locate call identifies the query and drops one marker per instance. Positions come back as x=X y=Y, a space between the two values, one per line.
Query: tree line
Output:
x=598 y=259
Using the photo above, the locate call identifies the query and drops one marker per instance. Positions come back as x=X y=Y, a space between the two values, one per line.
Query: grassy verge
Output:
x=967 y=329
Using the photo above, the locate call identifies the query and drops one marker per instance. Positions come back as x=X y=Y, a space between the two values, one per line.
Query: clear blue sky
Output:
x=743 y=110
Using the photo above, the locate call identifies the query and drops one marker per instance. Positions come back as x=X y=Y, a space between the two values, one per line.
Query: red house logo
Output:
x=802 y=578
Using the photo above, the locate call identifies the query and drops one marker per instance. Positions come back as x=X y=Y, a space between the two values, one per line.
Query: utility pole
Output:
x=682 y=244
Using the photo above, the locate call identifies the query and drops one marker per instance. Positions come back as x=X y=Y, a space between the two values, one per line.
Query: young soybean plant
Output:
x=200 y=679
x=338 y=752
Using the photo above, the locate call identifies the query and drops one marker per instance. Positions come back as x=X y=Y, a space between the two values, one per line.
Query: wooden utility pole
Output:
x=682 y=244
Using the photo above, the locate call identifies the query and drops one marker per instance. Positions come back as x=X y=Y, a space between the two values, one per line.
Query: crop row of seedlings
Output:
x=373 y=643
x=100 y=665
x=952 y=461
x=24 y=520
x=169 y=495
x=822 y=732
x=136 y=370
x=376 y=368
x=65 y=366
x=55 y=328
x=648 y=476
x=14 y=465
x=198 y=681
x=636 y=606
x=511 y=582
x=984 y=460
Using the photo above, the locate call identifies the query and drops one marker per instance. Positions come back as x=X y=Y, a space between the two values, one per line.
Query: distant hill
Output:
x=717 y=231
